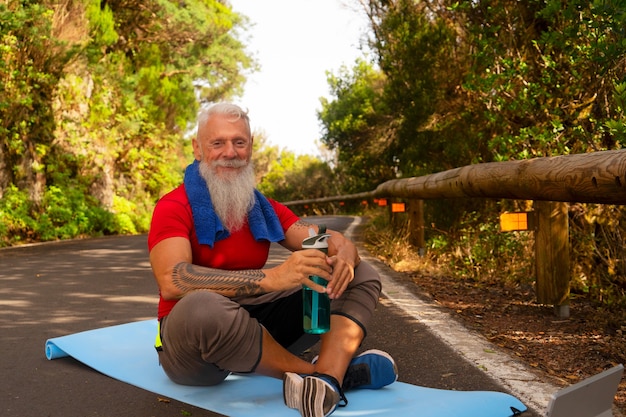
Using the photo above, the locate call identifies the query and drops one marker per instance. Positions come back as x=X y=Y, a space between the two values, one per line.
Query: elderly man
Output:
x=221 y=311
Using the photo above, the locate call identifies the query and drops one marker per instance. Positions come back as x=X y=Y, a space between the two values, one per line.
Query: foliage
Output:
x=468 y=82
x=292 y=177
x=477 y=250
x=16 y=222
x=597 y=240
x=545 y=82
x=415 y=48
x=353 y=125
x=65 y=214
x=31 y=65
x=482 y=81
x=95 y=100
x=389 y=241
x=285 y=176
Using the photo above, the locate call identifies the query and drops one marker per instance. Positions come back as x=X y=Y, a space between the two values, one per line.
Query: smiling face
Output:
x=224 y=143
x=223 y=147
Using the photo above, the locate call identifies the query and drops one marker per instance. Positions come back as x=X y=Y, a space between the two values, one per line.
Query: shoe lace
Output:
x=356 y=376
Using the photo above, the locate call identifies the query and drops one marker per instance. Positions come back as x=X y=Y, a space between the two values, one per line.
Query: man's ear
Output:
x=197 y=152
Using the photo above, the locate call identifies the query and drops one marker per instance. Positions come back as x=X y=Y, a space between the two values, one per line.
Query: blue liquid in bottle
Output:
x=315 y=305
x=316 y=308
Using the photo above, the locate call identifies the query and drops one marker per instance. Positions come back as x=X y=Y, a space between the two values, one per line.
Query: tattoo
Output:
x=300 y=224
x=188 y=277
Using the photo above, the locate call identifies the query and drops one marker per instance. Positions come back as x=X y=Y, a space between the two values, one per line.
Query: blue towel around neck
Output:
x=262 y=218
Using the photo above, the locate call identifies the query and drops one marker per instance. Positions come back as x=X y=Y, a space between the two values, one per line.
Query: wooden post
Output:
x=416 y=225
x=552 y=255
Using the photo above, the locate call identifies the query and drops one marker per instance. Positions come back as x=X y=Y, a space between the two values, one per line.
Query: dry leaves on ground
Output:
x=564 y=350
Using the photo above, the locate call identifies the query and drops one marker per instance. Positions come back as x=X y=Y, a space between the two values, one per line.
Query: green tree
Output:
x=357 y=125
x=32 y=62
x=543 y=74
x=297 y=177
x=95 y=101
x=416 y=50
x=263 y=155
x=494 y=80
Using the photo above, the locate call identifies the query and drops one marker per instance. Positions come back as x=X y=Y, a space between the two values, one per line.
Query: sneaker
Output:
x=316 y=395
x=372 y=369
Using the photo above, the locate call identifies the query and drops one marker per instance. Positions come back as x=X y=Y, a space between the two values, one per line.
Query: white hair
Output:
x=225 y=108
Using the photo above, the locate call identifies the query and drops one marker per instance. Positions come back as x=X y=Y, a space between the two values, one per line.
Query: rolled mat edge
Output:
x=53 y=351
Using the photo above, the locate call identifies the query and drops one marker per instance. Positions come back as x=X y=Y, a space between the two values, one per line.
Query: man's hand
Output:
x=342 y=258
x=343 y=274
x=297 y=269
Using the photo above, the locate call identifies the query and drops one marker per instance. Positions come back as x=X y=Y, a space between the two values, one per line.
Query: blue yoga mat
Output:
x=125 y=352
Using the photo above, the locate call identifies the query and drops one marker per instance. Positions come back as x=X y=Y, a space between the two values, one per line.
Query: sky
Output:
x=295 y=42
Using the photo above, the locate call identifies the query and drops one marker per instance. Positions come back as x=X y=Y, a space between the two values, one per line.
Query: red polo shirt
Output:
x=172 y=217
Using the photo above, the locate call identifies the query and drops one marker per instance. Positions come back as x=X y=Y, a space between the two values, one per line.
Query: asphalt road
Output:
x=55 y=289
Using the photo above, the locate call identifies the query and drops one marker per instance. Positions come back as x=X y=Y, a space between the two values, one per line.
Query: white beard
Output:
x=232 y=194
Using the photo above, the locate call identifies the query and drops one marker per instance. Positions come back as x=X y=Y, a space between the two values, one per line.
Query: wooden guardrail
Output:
x=551 y=182
x=598 y=177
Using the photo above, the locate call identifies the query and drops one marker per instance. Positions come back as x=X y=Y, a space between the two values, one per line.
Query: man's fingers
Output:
x=314 y=286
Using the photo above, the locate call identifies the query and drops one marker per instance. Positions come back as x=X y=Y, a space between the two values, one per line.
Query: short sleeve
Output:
x=285 y=215
x=171 y=218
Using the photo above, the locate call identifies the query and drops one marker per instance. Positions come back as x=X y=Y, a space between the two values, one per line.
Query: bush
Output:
x=16 y=224
x=65 y=213
x=474 y=249
x=129 y=217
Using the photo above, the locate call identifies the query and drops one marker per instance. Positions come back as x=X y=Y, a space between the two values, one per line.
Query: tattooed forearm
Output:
x=188 y=277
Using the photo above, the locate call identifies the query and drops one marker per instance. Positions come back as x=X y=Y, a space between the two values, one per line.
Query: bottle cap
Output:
x=316 y=241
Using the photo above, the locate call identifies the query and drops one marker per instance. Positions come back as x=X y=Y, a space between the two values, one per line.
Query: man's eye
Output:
x=217 y=144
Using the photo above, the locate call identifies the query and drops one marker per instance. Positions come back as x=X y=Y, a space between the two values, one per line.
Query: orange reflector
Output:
x=513 y=221
x=397 y=207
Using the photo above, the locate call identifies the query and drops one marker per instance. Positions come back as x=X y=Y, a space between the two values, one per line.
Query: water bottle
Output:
x=315 y=305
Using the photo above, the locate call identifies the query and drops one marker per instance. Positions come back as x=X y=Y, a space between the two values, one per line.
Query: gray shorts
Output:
x=207 y=336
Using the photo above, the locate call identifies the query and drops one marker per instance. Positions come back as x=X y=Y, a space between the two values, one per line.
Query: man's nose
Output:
x=229 y=150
